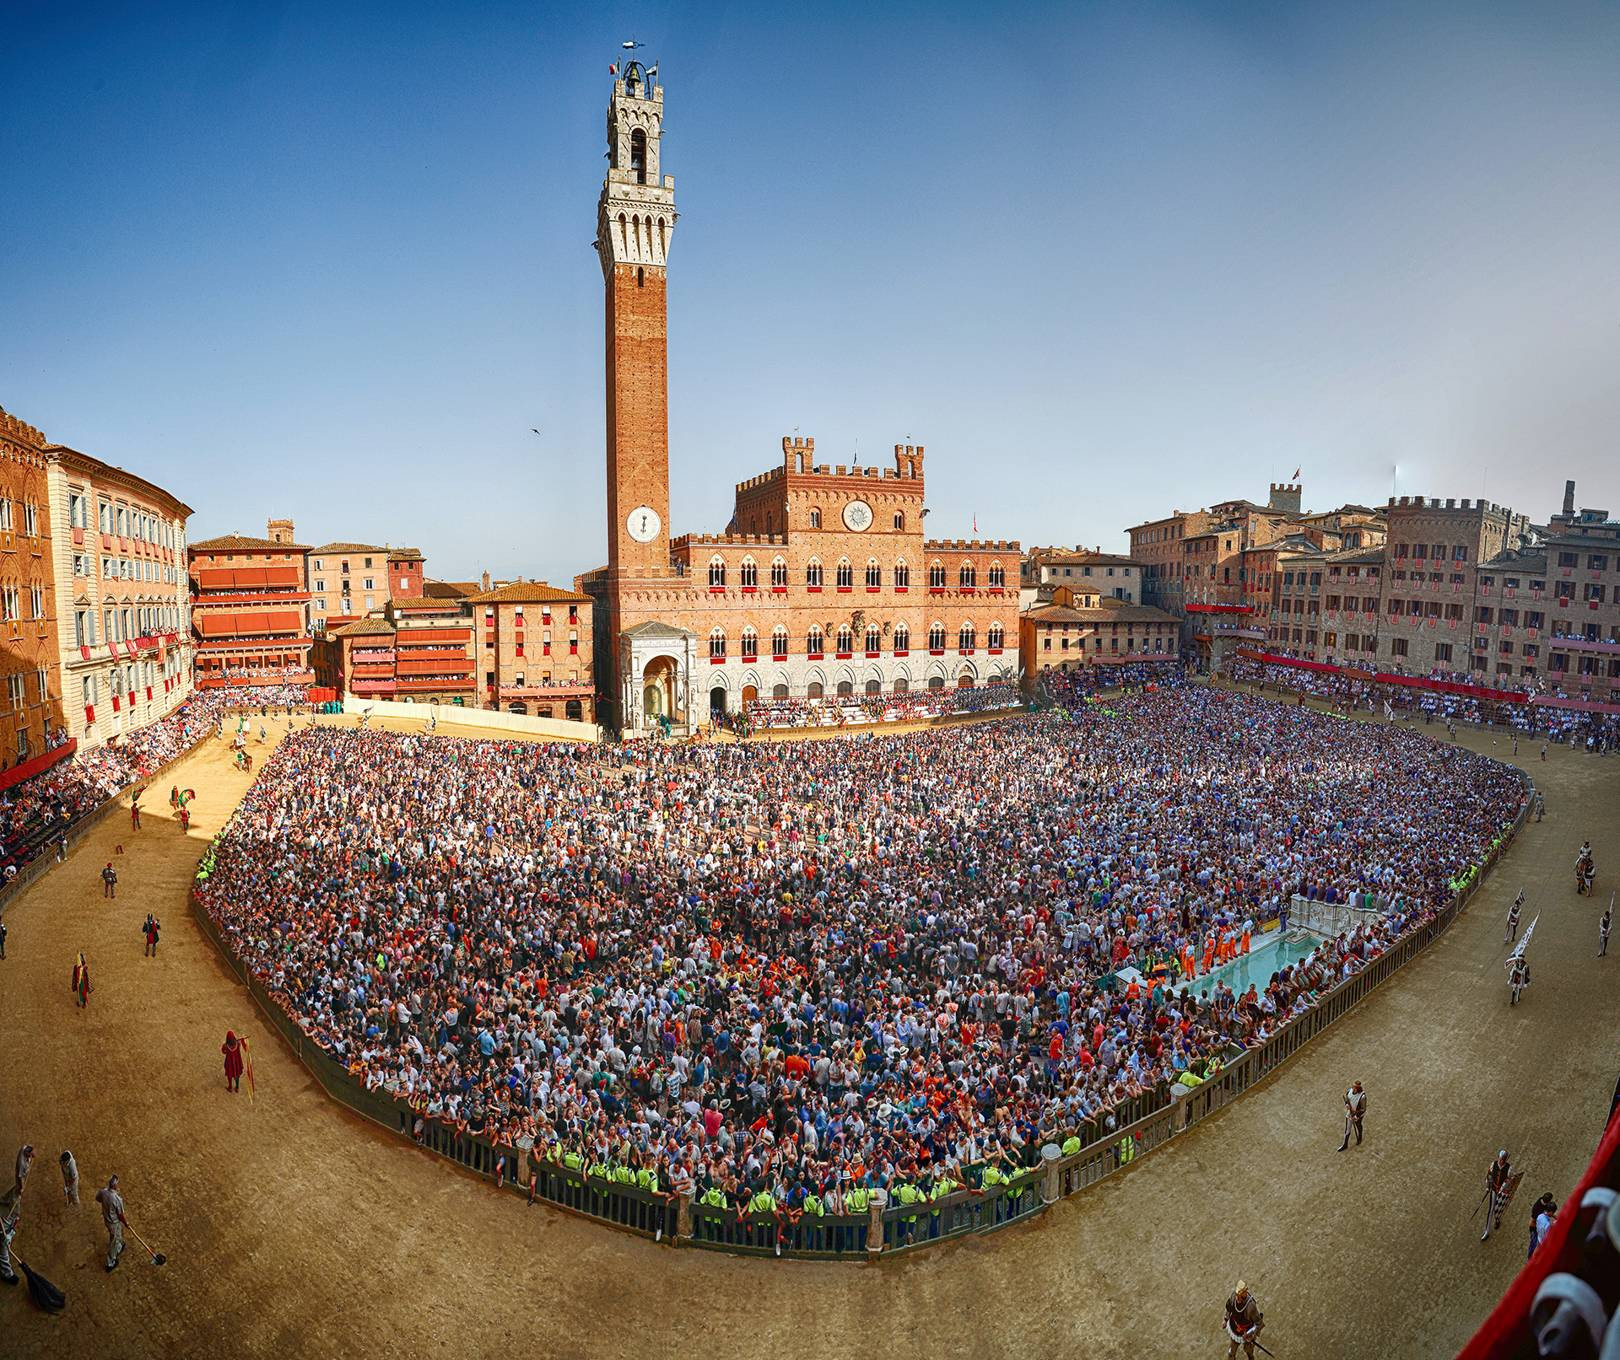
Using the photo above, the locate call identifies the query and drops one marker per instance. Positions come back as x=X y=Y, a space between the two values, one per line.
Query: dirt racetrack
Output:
x=294 y=1228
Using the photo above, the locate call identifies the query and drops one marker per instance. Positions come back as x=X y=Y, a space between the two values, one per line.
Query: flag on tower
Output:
x=1295 y=477
x=975 y=524
x=613 y=68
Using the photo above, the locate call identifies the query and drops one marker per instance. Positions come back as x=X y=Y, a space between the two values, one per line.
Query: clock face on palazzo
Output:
x=858 y=516
x=643 y=524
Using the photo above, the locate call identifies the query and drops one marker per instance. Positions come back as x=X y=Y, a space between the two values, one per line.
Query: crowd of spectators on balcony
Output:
x=855 y=710
x=784 y=973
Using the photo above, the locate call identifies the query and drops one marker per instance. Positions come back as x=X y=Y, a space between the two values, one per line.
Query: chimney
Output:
x=1569 y=500
x=485 y=579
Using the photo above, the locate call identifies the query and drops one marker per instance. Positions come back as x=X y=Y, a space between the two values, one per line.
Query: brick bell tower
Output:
x=635 y=219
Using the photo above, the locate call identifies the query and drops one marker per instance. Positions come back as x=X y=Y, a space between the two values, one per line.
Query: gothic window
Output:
x=936 y=576
x=874 y=574
x=779 y=639
x=749 y=574
x=778 y=574
x=812 y=574
x=899 y=519
x=750 y=645
x=813 y=641
x=964 y=637
x=902 y=576
x=815 y=519
x=638 y=155
x=936 y=637
x=902 y=637
x=846 y=574
x=874 y=639
x=998 y=576
x=846 y=640
x=967 y=577
x=717 y=644
x=717 y=573
x=994 y=640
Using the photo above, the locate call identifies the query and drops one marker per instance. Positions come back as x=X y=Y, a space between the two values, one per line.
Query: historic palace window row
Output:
x=844 y=572
x=844 y=640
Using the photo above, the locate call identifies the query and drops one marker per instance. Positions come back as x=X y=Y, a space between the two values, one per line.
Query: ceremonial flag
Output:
x=1518 y=949
x=247 y=1066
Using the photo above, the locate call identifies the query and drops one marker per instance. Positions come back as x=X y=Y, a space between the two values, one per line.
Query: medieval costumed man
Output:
x=232 y=1049
x=81 y=981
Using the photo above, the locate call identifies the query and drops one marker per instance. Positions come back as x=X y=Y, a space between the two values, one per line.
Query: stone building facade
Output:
x=122 y=596
x=534 y=647
x=348 y=581
x=31 y=714
x=1427 y=587
x=1079 y=627
x=823 y=582
x=250 y=609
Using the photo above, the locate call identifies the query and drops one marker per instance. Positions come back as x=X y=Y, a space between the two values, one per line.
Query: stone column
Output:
x=874 y=1231
x=683 y=1215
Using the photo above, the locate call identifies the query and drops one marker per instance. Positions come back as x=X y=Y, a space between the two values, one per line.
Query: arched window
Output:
x=717 y=644
x=779 y=637
x=967 y=576
x=638 y=155
x=936 y=637
x=778 y=574
x=899 y=519
x=812 y=574
x=964 y=637
x=815 y=519
x=995 y=636
x=846 y=574
x=846 y=640
x=749 y=574
x=717 y=573
x=902 y=638
x=874 y=574
x=874 y=639
x=813 y=640
x=750 y=645
x=936 y=576
x=902 y=575
x=998 y=576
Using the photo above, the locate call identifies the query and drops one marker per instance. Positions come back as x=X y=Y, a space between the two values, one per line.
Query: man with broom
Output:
x=10 y=1216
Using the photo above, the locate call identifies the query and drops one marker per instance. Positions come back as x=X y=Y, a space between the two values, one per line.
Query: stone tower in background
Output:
x=634 y=221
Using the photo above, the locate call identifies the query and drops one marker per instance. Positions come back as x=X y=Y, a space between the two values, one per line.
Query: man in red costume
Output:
x=232 y=1049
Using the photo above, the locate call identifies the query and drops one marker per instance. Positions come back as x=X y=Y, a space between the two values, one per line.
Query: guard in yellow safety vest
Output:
x=714 y=1197
x=1127 y=1149
x=762 y=1201
x=1071 y=1145
x=858 y=1200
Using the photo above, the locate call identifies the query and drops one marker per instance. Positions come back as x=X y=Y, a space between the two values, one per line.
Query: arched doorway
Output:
x=517 y=706
x=779 y=691
x=936 y=682
x=750 y=694
x=717 y=699
x=658 y=690
x=874 y=687
x=965 y=682
x=575 y=710
x=813 y=690
x=902 y=685
x=846 y=688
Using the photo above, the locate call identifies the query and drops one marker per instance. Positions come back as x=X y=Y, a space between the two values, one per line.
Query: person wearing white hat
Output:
x=1243 y=1321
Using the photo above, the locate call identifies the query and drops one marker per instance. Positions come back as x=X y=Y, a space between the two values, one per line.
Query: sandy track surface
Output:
x=294 y=1228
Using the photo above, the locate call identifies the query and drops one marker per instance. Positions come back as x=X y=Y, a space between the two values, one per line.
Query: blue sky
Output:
x=332 y=261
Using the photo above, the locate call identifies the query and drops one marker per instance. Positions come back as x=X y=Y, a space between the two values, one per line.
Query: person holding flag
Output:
x=232 y=1049
x=1518 y=966
x=1603 y=928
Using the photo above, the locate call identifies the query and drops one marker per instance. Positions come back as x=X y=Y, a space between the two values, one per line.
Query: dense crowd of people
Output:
x=783 y=974
x=37 y=812
x=1074 y=686
x=1597 y=732
x=855 y=710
